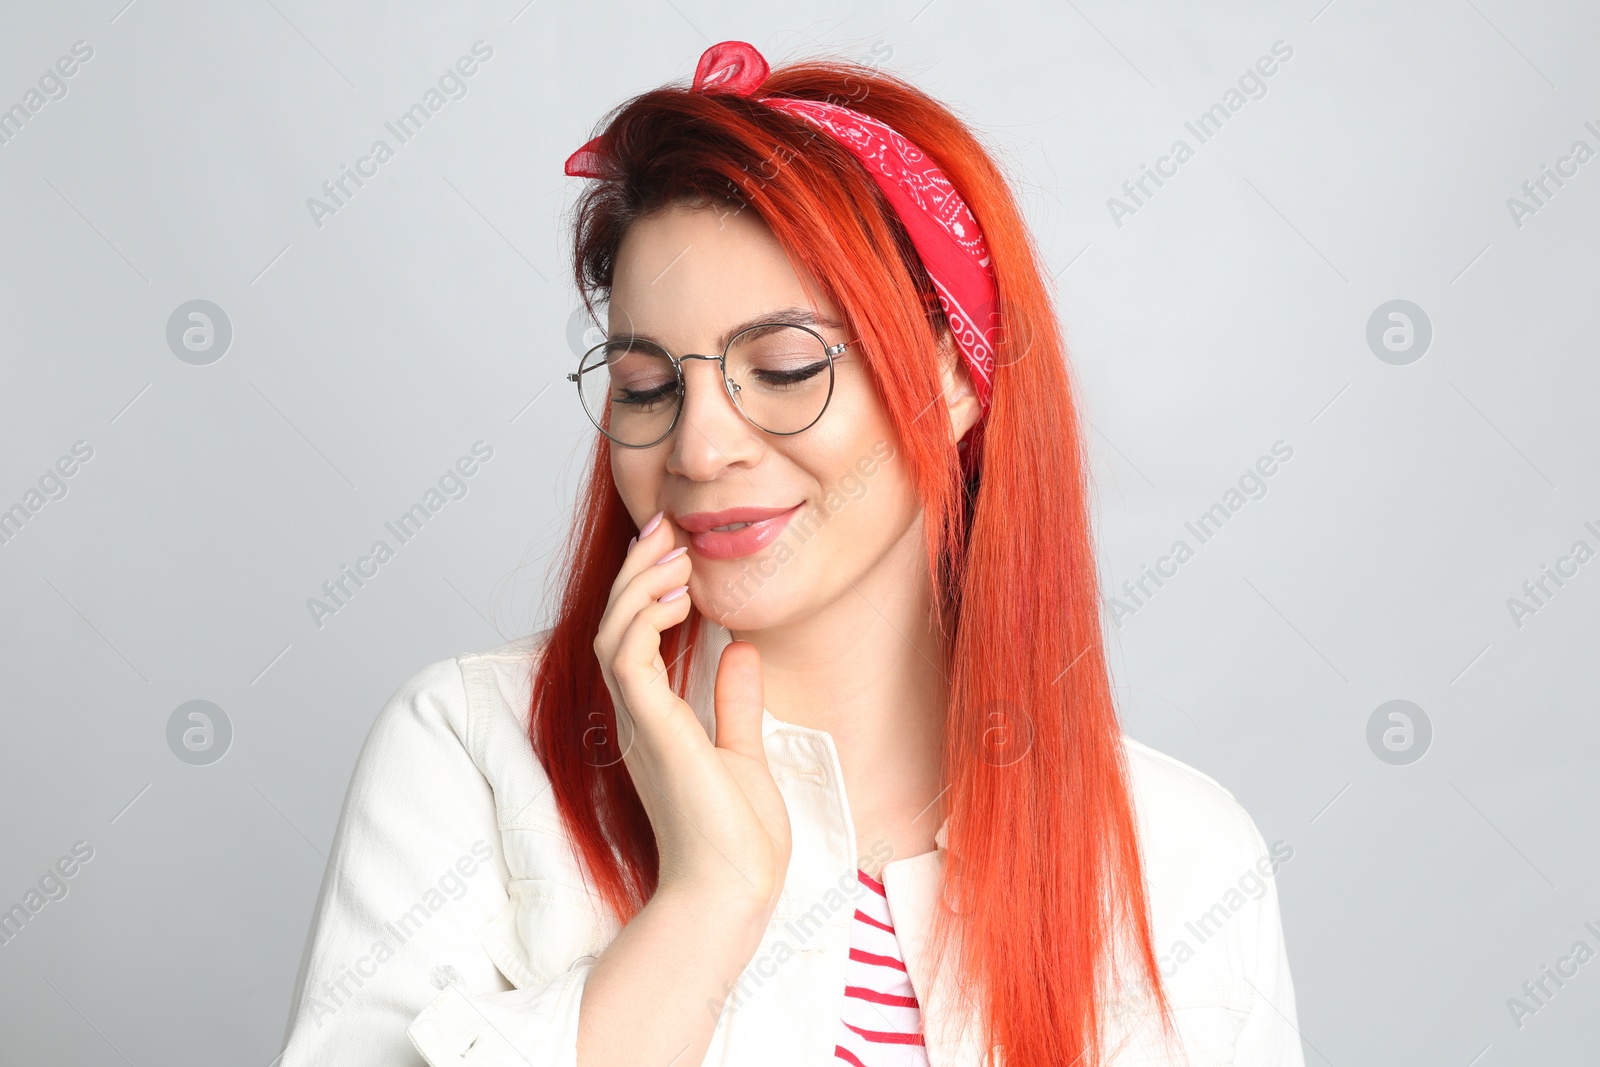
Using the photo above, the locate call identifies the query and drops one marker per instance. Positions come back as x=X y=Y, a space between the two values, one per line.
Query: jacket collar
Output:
x=951 y=1031
x=714 y=637
x=771 y=724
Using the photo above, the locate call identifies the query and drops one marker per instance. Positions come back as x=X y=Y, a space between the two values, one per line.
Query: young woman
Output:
x=818 y=763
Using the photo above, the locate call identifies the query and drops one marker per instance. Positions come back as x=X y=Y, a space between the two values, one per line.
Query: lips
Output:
x=763 y=525
x=702 y=521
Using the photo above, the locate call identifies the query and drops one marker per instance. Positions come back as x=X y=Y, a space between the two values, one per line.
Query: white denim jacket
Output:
x=452 y=926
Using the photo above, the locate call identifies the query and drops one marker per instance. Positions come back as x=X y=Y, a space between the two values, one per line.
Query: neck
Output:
x=867 y=668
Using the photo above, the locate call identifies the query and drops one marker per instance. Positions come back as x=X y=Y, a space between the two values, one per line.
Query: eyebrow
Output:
x=791 y=316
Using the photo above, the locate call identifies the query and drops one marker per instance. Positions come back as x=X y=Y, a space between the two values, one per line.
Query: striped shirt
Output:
x=882 y=1024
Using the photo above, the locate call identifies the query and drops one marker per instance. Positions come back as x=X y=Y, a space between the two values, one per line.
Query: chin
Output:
x=739 y=602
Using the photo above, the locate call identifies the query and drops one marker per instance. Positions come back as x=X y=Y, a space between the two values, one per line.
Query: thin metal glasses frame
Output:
x=728 y=384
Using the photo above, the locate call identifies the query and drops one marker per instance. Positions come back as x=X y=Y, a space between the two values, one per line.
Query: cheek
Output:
x=852 y=435
x=871 y=502
x=637 y=474
x=885 y=499
x=875 y=497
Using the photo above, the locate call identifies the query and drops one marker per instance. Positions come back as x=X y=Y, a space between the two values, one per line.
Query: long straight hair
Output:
x=1043 y=866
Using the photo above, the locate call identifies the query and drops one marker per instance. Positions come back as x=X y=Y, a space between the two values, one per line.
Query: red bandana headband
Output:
x=941 y=226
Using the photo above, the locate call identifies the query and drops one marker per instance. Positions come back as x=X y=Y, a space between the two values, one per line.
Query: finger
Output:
x=653 y=568
x=740 y=701
x=641 y=672
x=643 y=551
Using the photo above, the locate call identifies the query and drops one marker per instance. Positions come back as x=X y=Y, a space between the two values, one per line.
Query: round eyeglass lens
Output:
x=782 y=376
x=779 y=375
x=630 y=390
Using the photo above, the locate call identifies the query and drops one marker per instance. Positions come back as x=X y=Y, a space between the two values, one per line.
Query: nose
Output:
x=712 y=433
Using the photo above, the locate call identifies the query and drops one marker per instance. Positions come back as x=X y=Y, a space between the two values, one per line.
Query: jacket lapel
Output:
x=951 y=1028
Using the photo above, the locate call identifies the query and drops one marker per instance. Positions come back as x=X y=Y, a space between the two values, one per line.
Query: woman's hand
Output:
x=720 y=823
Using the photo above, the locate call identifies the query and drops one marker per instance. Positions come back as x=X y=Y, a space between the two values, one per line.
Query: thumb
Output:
x=739 y=701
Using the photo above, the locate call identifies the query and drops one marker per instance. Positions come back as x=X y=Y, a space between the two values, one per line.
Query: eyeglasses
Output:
x=778 y=374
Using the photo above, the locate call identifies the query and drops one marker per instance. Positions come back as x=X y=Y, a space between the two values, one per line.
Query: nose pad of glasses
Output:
x=730 y=387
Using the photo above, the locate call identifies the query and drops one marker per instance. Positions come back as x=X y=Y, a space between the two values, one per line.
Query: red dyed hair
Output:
x=1052 y=835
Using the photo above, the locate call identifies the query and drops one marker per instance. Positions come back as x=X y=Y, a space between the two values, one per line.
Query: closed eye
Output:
x=791 y=377
x=644 y=396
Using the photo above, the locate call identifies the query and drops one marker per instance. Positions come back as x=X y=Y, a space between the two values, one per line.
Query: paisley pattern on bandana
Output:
x=946 y=235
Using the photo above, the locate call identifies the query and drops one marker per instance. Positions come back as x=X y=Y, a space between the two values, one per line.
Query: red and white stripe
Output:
x=882 y=1024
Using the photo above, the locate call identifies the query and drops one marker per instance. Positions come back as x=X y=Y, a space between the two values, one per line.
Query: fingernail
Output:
x=674 y=554
x=631 y=542
x=672 y=594
x=655 y=520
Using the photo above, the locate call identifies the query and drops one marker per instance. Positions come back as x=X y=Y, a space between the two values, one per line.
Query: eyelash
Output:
x=773 y=378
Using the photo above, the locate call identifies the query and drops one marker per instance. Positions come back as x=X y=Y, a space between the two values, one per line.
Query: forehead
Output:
x=688 y=276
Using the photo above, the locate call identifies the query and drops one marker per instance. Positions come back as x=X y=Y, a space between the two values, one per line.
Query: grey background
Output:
x=432 y=311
